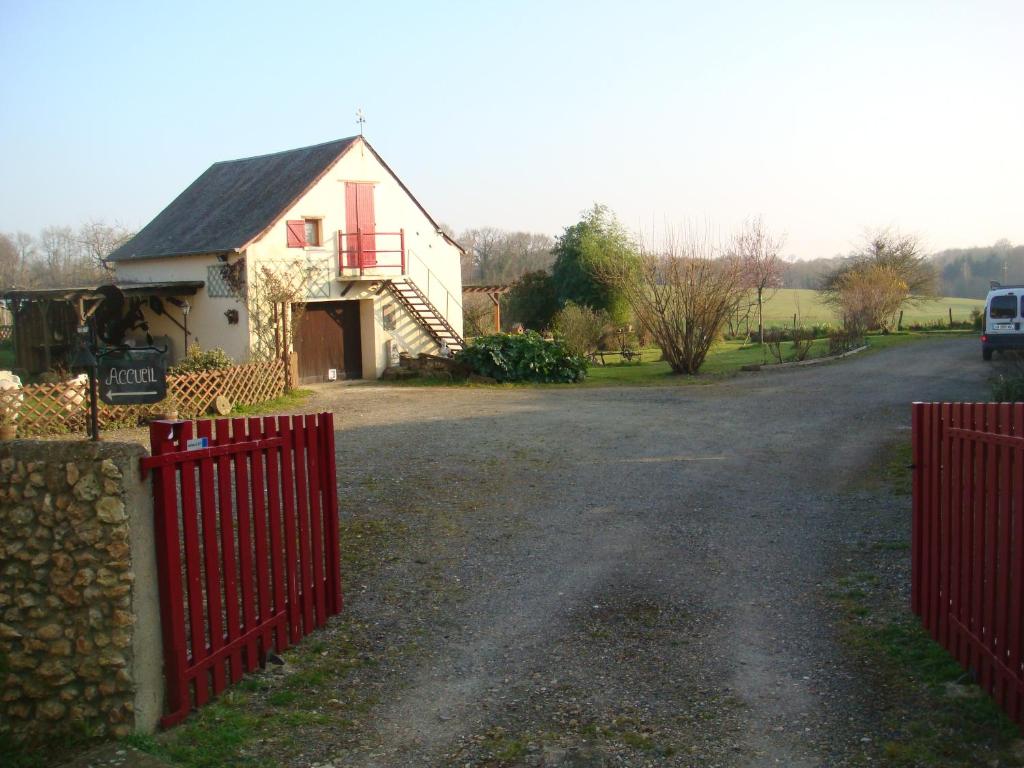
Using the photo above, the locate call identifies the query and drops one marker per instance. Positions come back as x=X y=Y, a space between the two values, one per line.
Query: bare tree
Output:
x=683 y=294
x=275 y=295
x=758 y=252
x=10 y=262
x=868 y=297
x=496 y=256
x=889 y=271
x=98 y=240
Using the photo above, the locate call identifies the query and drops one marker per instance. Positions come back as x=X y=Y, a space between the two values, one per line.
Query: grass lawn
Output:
x=807 y=304
x=726 y=358
x=290 y=399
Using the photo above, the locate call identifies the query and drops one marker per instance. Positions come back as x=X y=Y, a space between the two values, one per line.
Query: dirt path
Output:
x=618 y=576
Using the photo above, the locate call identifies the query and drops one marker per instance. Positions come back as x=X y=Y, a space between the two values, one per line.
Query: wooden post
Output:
x=950 y=317
x=497 y=311
x=899 y=323
x=44 y=310
x=286 y=351
x=277 y=331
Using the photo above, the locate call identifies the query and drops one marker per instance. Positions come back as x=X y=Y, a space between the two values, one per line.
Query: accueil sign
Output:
x=132 y=381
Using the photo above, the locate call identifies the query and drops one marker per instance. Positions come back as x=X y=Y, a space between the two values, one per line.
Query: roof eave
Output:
x=171 y=255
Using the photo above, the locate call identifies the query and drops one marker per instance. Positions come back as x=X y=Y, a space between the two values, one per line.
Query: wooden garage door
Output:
x=327 y=336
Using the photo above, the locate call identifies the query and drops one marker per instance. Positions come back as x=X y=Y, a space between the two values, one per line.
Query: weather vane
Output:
x=361 y=119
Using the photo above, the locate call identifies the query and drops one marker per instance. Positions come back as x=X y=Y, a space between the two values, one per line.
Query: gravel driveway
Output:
x=617 y=576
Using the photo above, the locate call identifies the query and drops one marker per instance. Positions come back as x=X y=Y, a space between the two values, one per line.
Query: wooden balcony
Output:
x=371 y=253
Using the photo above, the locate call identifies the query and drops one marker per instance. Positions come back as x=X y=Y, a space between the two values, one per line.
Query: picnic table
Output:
x=628 y=355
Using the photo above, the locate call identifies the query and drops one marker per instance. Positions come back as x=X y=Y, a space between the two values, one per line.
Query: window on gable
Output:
x=303 y=233
x=312 y=228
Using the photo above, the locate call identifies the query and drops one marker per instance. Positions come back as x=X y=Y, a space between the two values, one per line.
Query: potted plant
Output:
x=166 y=409
x=8 y=422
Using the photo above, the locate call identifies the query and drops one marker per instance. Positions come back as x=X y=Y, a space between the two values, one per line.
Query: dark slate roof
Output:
x=230 y=204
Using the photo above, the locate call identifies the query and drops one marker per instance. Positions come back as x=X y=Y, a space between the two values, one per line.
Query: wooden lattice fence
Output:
x=49 y=409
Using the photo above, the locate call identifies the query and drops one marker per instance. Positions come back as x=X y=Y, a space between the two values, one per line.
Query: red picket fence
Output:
x=248 y=554
x=967 y=546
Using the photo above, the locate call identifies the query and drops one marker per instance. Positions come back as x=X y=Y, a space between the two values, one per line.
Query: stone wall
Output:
x=79 y=621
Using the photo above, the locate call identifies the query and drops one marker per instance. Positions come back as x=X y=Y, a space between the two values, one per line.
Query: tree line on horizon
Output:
x=497 y=256
x=61 y=255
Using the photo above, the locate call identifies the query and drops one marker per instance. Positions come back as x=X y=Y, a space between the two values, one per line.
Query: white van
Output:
x=1003 y=319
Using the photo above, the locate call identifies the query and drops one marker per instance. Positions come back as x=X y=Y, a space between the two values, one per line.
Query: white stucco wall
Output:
x=432 y=263
x=207 y=324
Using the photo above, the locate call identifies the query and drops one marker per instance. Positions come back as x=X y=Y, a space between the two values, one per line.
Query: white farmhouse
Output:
x=367 y=270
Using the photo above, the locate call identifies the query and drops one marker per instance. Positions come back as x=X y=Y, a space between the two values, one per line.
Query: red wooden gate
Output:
x=247 y=545
x=967 y=546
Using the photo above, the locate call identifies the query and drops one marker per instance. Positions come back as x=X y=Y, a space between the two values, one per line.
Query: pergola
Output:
x=494 y=293
x=46 y=319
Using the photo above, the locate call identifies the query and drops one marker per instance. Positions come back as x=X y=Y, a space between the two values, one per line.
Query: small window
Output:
x=312 y=232
x=1002 y=307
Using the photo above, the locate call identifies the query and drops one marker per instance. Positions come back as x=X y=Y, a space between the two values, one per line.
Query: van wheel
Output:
x=986 y=354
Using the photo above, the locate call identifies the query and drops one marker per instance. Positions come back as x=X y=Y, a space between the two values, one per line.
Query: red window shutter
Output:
x=296 y=233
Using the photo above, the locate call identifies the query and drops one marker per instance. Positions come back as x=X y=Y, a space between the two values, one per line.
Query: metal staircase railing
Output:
x=419 y=305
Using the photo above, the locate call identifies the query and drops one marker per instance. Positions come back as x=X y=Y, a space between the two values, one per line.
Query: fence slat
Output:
x=988 y=672
x=259 y=526
x=330 y=489
x=278 y=564
x=243 y=523
x=935 y=515
x=955 y=471
x=978 y=542
x=193 y=567
x=967 y=544
x=302 y=507
x=1001 y=588
x=222 y=432
x=211 y=558
x=927 y=521
x=917 y=524
x=1016 y=608
x=290 y=528
x=945 y=525
x=316 y=526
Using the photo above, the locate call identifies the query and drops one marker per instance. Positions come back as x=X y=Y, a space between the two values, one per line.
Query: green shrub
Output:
x=1008 y=387
x=197 y=360
x=841 y=340
x=523 y=357
x=977 y=319
x=532 y=301
x=580 y=327
x=803 y=340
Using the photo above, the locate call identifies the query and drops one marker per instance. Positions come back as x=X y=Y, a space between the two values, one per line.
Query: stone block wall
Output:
x=79 y=617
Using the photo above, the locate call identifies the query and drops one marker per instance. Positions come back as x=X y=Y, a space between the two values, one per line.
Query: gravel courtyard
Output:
x=604 y=576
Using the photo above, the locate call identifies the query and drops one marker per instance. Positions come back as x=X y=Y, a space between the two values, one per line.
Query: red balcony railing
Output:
x=371 y=251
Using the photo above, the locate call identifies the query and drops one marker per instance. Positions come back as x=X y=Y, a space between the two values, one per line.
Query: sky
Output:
x=826 y=118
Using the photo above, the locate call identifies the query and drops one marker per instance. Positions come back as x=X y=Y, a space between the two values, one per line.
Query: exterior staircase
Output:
x=416 y=303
